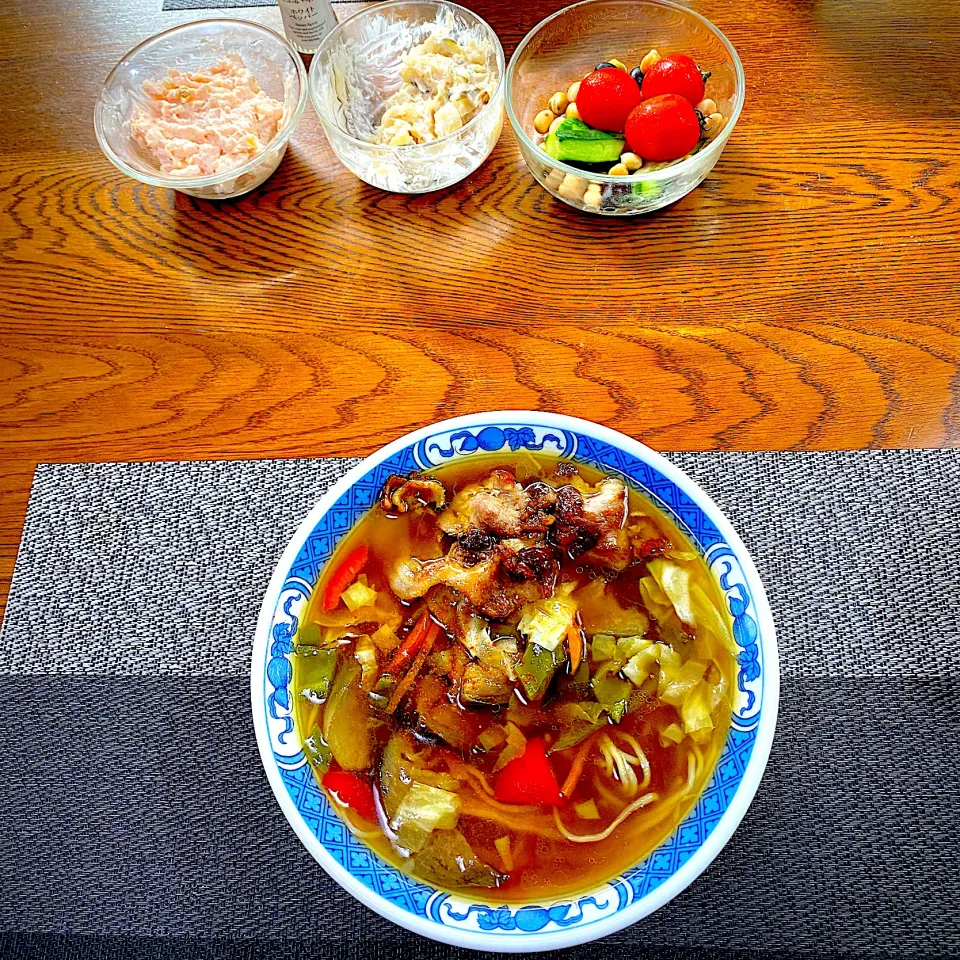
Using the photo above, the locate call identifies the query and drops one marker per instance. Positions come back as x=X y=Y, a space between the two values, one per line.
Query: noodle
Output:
x=507 y=807
x=475 y=807
x=461 y=770
x=694 y=764
x=608 y=795
x=619 y=762
x=641 y=758
x=643 y=801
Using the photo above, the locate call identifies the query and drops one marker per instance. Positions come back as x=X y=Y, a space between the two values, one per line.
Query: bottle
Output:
x=307 y=22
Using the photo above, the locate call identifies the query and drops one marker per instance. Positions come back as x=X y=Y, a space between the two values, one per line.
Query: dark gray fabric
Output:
x=123 y=663
x=117 y=823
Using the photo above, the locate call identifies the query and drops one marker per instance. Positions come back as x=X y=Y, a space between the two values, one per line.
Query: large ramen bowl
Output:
x=648 y=884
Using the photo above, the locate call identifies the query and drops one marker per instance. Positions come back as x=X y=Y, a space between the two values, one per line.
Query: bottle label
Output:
x=307 y=22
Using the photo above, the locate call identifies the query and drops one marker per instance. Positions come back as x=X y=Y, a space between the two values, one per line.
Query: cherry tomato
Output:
x=663 y=128
x=675 y=73
x=606 y=98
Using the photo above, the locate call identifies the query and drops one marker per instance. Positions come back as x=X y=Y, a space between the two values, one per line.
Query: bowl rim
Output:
x=181 y=183
x=408 y=147
x=712 y=150
x=684 y=874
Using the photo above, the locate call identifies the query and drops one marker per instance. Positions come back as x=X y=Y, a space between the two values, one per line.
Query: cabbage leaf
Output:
x=674 y=581
x=423 y=810
x=546 y=622
x=358 y=595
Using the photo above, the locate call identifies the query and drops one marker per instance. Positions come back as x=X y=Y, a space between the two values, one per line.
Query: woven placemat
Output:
x=124 y=662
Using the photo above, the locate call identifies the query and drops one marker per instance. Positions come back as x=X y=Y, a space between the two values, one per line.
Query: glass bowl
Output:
x=356 y=70
x=567 y=46
x=192 y=47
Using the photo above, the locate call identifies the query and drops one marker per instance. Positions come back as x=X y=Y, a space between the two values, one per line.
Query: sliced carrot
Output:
x=433 y=631
x=575 y=640
x=343 y=576
x=576 y=768
x=410 y=645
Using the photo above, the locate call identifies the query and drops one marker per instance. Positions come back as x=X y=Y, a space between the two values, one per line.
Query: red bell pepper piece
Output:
x=352 y=791
x=343 y=576
x=529 y=778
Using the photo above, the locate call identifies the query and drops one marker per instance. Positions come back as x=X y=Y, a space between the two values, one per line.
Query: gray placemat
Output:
x=123 y=668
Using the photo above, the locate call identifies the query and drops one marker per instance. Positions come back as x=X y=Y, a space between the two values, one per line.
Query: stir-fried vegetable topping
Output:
x=508 y=671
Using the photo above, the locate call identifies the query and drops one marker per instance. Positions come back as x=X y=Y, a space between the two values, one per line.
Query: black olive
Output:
x=606 y=66
x=637 y=75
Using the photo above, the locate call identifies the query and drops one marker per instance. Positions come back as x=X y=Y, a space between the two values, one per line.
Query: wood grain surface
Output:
x=806 y=296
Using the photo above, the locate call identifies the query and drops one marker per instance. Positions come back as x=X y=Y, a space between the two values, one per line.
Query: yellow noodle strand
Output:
x=637 y=804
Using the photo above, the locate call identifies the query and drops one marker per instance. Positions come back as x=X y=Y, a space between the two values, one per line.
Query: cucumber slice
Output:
x=574 y=142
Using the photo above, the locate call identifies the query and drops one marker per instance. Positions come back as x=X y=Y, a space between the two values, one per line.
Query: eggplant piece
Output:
x=396 y=772
x=445 y=721
x=448 y=861
x=485 y=684
x=347 y=721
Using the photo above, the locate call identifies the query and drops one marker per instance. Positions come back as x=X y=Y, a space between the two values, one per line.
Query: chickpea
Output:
x=542 y=121
x=573 y=112
x=556 y=123
x=593 y=197
x=713 y=124
x=631 y=161
x=649 y=60
x=558 y=102
x=554 y=178
x=572 y=91
x=572 y=188
x=618 y=170
x=706 y=107
x=619 y=64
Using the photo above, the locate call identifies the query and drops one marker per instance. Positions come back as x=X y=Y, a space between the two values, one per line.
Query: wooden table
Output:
x=807 y=295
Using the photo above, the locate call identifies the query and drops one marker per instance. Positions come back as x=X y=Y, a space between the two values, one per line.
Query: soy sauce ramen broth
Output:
x=517 y=851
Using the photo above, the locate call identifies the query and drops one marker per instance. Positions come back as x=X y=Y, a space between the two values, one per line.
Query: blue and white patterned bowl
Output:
x=668 y=869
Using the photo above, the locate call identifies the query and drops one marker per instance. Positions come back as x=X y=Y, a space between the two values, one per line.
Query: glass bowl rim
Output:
x=376 y=8
x=641 y=176
x=212 y=179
